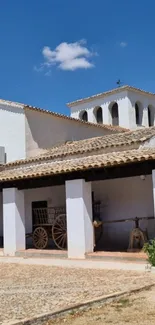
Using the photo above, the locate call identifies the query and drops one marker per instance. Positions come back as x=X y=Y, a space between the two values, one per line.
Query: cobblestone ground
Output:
x=27 y=290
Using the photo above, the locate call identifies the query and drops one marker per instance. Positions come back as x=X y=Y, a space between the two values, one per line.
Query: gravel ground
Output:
x=27 y=290
x=137 y=309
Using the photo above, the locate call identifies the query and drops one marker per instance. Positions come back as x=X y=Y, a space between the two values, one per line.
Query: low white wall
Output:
x=55 y=196
x=124 y=198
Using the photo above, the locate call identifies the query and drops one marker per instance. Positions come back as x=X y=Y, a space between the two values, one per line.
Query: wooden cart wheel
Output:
x=59 y=231
x=40 y=238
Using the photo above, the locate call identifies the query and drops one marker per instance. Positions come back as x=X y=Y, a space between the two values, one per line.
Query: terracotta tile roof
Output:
x=92 y=145
x=76 y=164
x=109 y=92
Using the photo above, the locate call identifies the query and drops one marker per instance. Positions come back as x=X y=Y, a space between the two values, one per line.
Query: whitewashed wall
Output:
x=120 y=98
x=126 y=106
x=44 y=130
x=12 y=131
x=124 y=198
x=144 y=101
x=54 y=195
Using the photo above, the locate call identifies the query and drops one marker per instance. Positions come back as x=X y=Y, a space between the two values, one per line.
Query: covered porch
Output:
x=125 y=190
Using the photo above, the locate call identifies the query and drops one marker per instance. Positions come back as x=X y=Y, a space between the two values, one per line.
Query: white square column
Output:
x=79 y=218
x=13 y=221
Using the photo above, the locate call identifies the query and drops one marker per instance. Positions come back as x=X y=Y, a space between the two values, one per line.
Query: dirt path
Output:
x=136 y=309
x=30 y=290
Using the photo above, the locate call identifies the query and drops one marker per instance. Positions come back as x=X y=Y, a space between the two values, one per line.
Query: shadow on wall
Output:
x=114 y=114
x=98 y=114
x=115 y=237
x=44 y=131
x=124 y=198
x=138 y=113
x=151 y=115
x=12 y=109
x=1 y=241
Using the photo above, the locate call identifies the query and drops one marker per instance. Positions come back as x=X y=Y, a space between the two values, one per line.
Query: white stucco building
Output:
x=27 y=130
x=125 y=106
x=54 y=161
x=118 y=169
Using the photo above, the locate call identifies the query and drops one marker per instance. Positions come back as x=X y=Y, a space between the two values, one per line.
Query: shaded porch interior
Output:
x=124 y=199
x=119 y=199
x=122 y=192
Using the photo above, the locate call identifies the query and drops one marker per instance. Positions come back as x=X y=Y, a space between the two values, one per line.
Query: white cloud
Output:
x=78 y=63
x=68 y=56
x=38 y=69
x=123 y=44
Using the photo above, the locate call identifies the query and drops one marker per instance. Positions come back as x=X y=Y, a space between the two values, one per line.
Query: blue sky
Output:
x=55 y=51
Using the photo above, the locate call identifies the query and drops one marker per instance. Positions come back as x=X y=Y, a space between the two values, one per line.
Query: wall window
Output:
x=99 y=116
x=84 y=116
x=114 y=114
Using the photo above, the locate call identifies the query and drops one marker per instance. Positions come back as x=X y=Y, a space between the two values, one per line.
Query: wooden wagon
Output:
x=51 y=223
